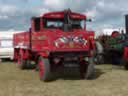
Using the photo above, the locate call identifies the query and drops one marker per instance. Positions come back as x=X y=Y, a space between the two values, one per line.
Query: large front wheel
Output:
x=44 y=69
x=87 y=69
x=125 y=63
x=22 y=63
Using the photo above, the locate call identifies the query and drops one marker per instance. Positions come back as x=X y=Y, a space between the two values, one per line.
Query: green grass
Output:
x=108 y=82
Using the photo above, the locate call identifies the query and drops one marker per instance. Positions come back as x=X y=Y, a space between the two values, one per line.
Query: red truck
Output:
x=56 y=39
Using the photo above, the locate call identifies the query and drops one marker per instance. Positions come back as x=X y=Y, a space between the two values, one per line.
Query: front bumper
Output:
x=70 y=54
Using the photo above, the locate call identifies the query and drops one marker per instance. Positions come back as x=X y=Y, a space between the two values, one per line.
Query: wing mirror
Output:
x=89 y=20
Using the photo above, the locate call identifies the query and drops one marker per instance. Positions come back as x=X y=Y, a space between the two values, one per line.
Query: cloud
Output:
x=3 y=17
x=91 y=13
x=54 y=4
x=7 y=9
x=14 y=17
x=16 y=14
x=108 y=14
x=76 y=5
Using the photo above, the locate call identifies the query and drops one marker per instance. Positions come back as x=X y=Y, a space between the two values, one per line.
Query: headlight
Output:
x=56 y=44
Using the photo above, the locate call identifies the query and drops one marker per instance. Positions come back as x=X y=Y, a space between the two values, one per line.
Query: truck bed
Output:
x=21 y=40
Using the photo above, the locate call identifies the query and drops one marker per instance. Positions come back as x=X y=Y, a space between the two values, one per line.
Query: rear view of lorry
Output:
x=6 y=44
x=6 y=48
x=56 y=39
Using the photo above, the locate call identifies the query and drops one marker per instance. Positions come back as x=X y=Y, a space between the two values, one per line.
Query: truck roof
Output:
x=61 y=15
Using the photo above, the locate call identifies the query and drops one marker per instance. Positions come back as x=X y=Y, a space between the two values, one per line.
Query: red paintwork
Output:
x=61 y=15
x=126 y=53
x=21 y=39
x=42 y=42
x=115 y=34
x=41 y=68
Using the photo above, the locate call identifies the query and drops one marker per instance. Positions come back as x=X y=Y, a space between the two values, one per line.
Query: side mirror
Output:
x=89 y=20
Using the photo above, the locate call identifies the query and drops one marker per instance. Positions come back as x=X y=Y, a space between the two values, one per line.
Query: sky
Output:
x=16 y=14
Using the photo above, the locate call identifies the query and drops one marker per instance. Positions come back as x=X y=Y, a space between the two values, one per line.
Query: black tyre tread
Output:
x=90 y=70
x=24 y=64
x=126 y=65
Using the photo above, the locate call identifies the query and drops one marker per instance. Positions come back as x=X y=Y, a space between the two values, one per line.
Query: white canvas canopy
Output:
x=6 y=44
x=8 y=34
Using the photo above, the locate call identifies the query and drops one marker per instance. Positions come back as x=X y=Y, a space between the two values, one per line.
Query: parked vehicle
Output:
x=6 y=45
x=56 y=39
x=116 y=47
x=125 y=56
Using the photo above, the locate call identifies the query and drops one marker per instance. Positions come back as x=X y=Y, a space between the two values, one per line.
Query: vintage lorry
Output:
x=56 y=39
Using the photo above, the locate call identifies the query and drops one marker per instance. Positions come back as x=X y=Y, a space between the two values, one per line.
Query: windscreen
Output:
x=53 y=23
x=77 y=24
x=59 y=23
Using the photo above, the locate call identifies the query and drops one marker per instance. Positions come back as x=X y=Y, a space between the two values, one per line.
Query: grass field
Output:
x=108 y=82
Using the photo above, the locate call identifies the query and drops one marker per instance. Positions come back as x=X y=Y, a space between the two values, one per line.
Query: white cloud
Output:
x=4 y=17
x=42 y=11
x=91 y=13
x=101 y=4
x=54 y=4
x=106 y=13
x=7 y=8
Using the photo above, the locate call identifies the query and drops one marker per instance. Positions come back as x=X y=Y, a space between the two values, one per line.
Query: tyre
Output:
x=90 y=70
x=37 y=68
x=99 y=47
x=99 y=58
x=44 y=69
x=87 y=70
x=125 y=65
x=22 y=64
x=0 y=59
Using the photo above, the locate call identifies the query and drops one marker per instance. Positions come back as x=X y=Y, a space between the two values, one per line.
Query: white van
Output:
x=6 y=44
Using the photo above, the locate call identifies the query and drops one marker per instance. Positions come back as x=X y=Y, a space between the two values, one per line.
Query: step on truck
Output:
x=56 y=39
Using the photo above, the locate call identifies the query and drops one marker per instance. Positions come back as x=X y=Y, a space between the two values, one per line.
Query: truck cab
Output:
x=61 y=32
